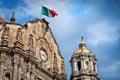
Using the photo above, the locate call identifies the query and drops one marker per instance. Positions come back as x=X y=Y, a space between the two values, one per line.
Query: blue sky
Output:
x=97 y=20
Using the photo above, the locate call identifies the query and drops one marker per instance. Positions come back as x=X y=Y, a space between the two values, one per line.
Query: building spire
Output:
x=82 y=43
x=82 y=38
x=12 y=19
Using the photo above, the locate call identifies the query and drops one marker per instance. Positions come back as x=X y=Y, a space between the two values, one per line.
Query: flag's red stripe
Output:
x=53 y=13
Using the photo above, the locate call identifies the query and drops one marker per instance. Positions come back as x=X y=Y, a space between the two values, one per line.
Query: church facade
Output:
x=83 y=64
x=29 y=52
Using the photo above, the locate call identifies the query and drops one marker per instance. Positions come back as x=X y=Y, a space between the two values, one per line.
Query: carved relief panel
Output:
x=8 y=62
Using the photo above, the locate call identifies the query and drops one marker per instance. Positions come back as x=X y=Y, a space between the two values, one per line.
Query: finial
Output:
x=82 y=43
x=82 y=38
x=12 y=19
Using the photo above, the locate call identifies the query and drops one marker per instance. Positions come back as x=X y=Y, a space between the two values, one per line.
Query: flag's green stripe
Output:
x=45 y=11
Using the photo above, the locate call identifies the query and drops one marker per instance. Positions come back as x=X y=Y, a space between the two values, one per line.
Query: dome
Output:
x=82 y=48
x=2 y=20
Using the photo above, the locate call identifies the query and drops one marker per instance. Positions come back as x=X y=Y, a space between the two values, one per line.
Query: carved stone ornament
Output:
x=16 y=59
x=21 y=61
x=62 y=66
x=7 y=76
x=19 y=35
x=5 y=36
x=8 y=63
x=55 y=59
x=22 y=66
x=33 y=68
x=43 y=30
x=30 y=41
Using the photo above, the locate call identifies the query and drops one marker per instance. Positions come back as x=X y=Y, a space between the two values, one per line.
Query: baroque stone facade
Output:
x=83 y=64
x=29 y=52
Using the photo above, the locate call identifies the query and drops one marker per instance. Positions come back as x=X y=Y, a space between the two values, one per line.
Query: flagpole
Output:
x=41 y=11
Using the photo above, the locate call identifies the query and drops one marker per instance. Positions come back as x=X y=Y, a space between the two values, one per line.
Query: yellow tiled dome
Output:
x=82 y=48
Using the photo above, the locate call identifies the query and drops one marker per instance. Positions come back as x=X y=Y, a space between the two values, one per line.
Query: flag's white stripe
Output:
x=49 y=13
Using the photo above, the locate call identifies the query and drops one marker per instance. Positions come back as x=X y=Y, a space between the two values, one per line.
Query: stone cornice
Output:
x=13 y=23
x=5 y=49
x=45 y=72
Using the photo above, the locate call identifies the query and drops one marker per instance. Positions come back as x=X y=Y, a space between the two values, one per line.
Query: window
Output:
x=94 y=67
x=79 y=65
x=87 y=65
x=39 y=79
x=21 y=79
x=7 y=76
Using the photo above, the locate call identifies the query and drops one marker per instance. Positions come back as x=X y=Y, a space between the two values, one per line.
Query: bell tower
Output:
x=83 y=64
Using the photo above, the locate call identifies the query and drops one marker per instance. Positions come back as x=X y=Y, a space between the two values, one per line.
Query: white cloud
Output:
x=111 y=69
x=103 y=31
x=66 y=24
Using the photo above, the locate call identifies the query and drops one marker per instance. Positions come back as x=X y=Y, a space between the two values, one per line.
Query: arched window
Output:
x=21 y=79
x=7 y=76
x=94 y=66
x=79 y=65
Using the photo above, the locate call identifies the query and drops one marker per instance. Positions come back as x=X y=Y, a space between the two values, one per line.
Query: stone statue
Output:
x=19 y=35
x=31 y=41
x=5 y=36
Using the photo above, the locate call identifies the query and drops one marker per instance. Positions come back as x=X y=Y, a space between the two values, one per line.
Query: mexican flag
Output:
x=48 y=12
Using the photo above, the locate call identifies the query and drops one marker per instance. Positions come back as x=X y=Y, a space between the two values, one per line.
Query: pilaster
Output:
x=15 y=66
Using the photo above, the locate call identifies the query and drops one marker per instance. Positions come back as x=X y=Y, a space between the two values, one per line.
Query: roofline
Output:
x=47 y=23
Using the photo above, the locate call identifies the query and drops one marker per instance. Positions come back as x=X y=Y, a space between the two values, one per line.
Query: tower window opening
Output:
x=94 y=67
x=79 y=65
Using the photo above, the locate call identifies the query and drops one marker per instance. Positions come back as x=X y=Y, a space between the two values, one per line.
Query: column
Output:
x=72 y=66
x=15 y=68
x=32 y=76
x=28 y=70
x=2 y=64
x=91 y=63
x=75 y=66
x=96 y=68
x=19 y=73
x=28 y=75
x=15 y=72
x=82 y=64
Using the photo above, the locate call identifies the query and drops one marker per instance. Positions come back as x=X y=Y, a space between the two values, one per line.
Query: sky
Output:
x=97 y=20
